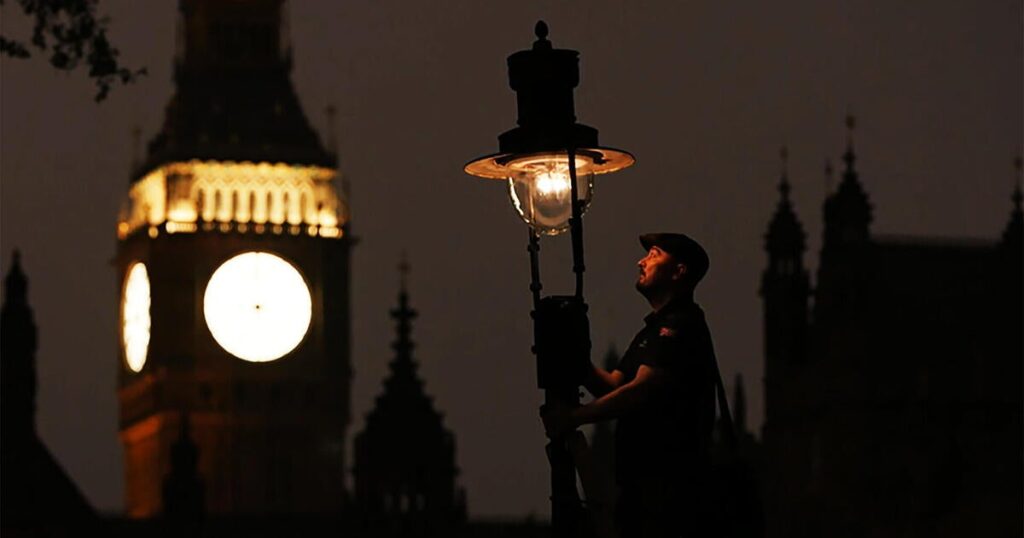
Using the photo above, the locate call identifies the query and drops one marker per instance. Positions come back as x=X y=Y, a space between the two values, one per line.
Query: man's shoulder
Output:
x=681 y=320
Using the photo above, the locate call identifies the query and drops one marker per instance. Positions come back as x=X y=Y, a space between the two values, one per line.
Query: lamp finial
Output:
x=541 y=31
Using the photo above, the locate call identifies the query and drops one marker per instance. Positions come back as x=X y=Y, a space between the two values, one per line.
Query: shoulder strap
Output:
x=723 y=403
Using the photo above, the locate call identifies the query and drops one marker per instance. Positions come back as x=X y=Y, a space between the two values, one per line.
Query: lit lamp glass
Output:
x=539 y=184
x=541 y=190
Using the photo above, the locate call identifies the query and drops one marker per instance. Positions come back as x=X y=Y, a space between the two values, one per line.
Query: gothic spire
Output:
x=404 y=397
x=36 y=493
x=848 y=210
x=15 y=284
x=405 y=458
x=403 y=316
x=18 y=343
x=1013 y=235
x=784 y=176
x=849 y=157
x=785 y=237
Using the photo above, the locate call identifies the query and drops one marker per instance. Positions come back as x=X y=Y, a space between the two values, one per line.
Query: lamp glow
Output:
x=257 y=306
x=135 y=317
x=541 y=190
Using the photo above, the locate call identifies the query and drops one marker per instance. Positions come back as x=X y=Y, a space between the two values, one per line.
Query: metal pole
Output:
x=566 y=507
x=576 y=226
x=535 y=285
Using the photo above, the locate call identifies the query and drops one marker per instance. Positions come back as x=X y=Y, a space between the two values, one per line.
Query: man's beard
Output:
x=648 y=290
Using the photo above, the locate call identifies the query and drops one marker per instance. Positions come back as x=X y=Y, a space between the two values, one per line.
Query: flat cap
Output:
x=683 y=248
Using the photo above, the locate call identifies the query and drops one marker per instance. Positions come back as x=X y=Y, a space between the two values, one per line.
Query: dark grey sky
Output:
x=703 y=93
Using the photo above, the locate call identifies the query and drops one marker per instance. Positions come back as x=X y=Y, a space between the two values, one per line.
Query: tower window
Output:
x=201 y=204
x=218 y=204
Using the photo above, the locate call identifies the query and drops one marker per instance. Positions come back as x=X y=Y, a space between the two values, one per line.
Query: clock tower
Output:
x=233 y=268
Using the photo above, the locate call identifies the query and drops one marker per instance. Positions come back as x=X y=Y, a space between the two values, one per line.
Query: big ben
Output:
x=233 y=268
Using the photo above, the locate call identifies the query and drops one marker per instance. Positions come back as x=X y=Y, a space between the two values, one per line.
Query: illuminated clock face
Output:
x=135 y=320
x=257 y=306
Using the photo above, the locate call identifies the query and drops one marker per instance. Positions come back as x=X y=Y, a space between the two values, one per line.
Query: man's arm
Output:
x=559 y=419
x=600 y=381
x=622 y=399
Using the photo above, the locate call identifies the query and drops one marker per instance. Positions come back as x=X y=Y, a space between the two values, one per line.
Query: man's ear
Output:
x=680 y=271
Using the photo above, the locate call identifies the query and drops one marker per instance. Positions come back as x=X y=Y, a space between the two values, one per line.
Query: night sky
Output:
x=703 y=93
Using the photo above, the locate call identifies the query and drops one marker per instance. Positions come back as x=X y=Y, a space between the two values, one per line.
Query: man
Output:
x=663 y=393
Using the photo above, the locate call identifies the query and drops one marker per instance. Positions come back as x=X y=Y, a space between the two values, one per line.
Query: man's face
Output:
x=658 y=272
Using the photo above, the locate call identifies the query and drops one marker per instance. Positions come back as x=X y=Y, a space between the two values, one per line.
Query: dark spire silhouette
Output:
x=1013 y=235
x=403 y=316
x=36 y=494
x=785 y=286
x=183 y=491
x=405 y=458
x=18 y=343
x=849 y=157
x=848 y=210
x=785 y=239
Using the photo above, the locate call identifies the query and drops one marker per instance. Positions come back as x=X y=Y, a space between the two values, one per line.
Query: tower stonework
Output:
x=233 y=265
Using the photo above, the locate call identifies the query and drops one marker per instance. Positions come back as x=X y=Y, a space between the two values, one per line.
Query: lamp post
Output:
x=549 y=162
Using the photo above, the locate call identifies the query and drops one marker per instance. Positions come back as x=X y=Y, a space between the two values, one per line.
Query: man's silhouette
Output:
x=663 y=393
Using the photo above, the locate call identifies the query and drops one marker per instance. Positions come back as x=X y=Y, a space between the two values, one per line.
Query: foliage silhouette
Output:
x=72 y=35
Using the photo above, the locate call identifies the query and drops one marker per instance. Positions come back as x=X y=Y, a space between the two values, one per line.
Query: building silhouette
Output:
x=36 y=494
x=233 y=264
x=405 y=472
x=893 y=384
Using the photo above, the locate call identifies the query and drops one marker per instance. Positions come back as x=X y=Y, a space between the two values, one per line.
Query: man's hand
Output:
x=558 y=419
